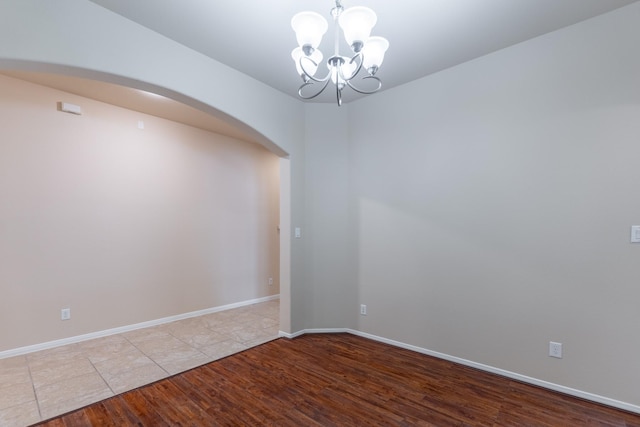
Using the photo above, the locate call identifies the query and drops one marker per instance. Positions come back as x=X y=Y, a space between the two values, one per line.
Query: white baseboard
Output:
x=79 y=338
x=314 y=331
x=513 y=375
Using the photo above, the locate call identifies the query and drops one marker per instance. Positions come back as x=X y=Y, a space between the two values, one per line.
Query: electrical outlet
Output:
x=65 y=314
x=363 y=309
x=555 y=349
x=270 y=280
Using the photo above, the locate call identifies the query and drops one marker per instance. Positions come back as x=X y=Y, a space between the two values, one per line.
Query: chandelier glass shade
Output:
x=366 y=52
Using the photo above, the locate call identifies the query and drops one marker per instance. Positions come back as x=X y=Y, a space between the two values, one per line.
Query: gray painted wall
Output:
x=493 y=204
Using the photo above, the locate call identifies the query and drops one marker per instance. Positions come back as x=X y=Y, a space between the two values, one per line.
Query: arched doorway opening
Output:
x=245 y=133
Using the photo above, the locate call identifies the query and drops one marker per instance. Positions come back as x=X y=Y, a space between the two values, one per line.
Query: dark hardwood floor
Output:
x=340 y=380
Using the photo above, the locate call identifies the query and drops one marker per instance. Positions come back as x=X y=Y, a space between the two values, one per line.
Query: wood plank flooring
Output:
x=340 y=380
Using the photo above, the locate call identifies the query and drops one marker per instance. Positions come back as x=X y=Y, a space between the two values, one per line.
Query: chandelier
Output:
x=367 y=52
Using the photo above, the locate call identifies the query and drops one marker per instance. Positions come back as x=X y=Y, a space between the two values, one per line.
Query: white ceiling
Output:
x=255 y=37
x=426 y=36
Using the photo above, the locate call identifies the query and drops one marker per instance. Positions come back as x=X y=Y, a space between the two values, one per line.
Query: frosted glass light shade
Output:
x=309 y=28
x=347 y=69
x=356 y=23
x=309 y=66
x=373 y=52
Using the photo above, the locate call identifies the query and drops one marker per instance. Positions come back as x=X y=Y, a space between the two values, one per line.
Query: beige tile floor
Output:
x=41 y=385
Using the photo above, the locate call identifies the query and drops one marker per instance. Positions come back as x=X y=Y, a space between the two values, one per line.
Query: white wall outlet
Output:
x=65 y=314
x=363 y=309
x=555 y=349
x=270 y=280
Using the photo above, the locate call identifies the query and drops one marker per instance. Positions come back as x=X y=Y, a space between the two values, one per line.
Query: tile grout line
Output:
x=81 y=355
x=190 y=346
x=147 y=356
x=33 y=386
x=98 y=372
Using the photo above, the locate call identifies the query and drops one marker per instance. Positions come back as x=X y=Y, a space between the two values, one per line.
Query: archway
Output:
x=283 y=224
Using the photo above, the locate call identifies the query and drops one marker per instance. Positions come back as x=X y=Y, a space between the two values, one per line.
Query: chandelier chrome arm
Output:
x=310 y=83
x=354 y=59
x=349 y=79
x=336 y=63
x=310 y=76
x=309 y=79
x=366 y=92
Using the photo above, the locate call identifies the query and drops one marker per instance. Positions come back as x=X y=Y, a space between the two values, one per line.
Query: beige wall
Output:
x=44 y=39
x=124 y=225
